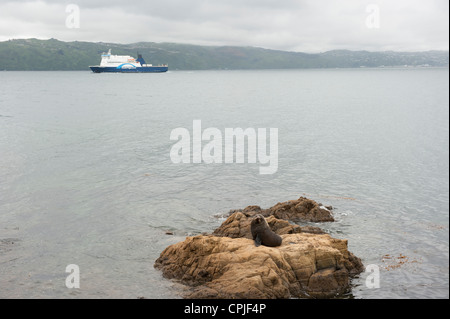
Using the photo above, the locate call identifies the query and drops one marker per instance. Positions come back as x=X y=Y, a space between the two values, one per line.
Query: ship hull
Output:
x=144 y=69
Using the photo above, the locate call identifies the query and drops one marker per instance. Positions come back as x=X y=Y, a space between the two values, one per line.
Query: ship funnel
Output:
x=140 y=59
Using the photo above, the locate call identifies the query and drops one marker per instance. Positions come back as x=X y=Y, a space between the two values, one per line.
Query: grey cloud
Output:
x=299 y=25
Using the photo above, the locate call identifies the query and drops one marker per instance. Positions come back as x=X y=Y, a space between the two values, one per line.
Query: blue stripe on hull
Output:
x=147 y=69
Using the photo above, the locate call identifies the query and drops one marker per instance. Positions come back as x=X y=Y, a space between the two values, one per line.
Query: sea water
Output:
x=86 y=177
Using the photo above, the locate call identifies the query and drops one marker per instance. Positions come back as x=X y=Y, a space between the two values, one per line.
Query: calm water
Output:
x=86 y=177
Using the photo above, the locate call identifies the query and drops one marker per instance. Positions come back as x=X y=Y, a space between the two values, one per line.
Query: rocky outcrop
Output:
x=227 y=264
x=299 y=210
x=305 y=265
x=238 y=226
x=302 y=209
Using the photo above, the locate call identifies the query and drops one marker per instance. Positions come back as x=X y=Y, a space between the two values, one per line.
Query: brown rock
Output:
x=302 y=209
x=238 y=226
x=305 y=265
x=226 y=264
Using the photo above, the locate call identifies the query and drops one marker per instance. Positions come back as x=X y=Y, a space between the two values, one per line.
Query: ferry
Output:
x=126 y=64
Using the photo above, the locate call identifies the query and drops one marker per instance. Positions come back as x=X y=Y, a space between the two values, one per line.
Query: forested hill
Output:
x=33 y=54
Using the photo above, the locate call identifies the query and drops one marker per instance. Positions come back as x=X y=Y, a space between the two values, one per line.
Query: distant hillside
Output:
x=33 y=54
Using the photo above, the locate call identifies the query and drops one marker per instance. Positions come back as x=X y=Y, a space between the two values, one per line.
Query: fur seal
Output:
x=262 y=234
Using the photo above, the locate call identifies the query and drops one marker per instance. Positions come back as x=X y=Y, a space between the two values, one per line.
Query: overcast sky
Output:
x=294 y=25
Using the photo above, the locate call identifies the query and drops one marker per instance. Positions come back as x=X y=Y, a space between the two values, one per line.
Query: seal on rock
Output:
x=262 y=234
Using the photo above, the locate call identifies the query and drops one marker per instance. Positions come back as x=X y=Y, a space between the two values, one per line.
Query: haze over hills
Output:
x=34 y=54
